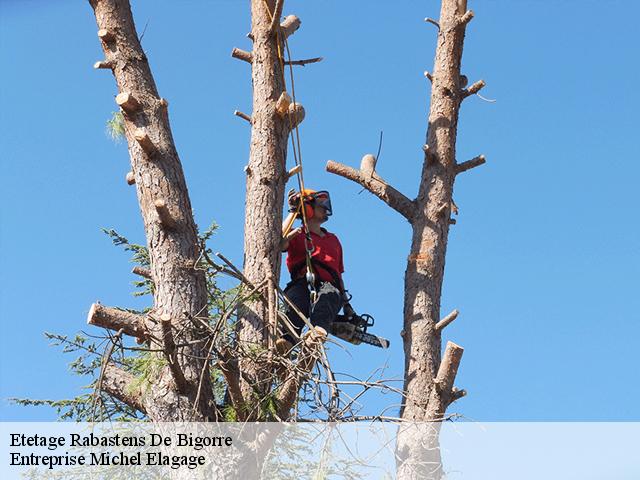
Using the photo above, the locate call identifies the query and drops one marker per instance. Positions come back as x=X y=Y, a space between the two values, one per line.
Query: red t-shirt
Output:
x=326 y=249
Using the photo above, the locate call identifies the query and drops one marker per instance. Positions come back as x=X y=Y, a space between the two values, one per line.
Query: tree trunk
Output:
x=266 y=178
x=425 y=266
x=179 y=289
x=429 y=377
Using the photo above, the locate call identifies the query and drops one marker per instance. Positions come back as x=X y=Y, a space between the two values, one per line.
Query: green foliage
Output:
x=78 y=408
x=145 y=366
x=269 y=408
x=140 y=252
x=140 y=257
x=298 y=453
x=218 y=384
x=85 y=407
x=115 y=127
x=229 y=413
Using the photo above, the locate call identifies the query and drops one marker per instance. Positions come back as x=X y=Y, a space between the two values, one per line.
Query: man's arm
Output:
x=287 y=236
x=348 y=310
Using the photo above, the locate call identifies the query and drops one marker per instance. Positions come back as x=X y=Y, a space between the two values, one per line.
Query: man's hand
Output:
x=293 y=199
x=348 y=310
x=284 y=244
x=293 y=233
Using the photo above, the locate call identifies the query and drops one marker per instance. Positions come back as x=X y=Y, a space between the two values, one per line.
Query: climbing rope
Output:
x=297 y=153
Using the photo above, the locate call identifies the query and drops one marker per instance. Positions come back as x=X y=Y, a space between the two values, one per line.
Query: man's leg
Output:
x=298 y=293
x=326 y=307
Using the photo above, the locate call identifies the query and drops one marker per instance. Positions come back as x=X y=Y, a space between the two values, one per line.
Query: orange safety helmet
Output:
x=311 y=198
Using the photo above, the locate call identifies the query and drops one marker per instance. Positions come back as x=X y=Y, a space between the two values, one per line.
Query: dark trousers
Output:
x=321 y=313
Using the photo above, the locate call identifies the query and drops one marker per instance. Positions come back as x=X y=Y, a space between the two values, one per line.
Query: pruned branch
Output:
x=103 y=64
x=293 y=171
x=447 y=320
x=432 y=22
x=127 y=102
x=456 y=394
x=428 y=76
x=143 y=272
x=377 y=186
x=289 y=25
x=242 y=55
x=242 y=115
x=143 y=139
x=171 y=354
x=106 y=36
x=304 y=62
x=131 y=179
x=131 y=324
x=469 y=164
x=282 y=104
x=448 y=368
x=466 y=18
x=473 y=89
x=121 y=385
x=164 y=216
x=443 y=209
x=296 y=115
x=429 y=154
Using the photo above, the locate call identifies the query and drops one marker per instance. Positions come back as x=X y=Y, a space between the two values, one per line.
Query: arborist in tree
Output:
x=315 y=291
x=315 y=262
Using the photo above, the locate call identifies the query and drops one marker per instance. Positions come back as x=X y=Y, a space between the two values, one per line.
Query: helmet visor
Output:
x=322 y=199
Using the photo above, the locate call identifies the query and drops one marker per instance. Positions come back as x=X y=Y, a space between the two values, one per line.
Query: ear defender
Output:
x=308 y=210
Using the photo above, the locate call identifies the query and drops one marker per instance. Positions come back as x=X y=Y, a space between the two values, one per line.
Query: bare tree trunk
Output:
x=180 y=290
x=266 y=178
x=428 y=377
x=425 y=266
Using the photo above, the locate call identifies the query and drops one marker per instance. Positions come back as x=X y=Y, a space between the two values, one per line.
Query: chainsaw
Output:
x=352 y=328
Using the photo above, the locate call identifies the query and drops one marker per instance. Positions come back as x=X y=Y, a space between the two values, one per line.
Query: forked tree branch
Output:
x=376 y=185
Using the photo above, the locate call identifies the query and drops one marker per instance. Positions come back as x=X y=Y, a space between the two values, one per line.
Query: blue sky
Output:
x=543 y=263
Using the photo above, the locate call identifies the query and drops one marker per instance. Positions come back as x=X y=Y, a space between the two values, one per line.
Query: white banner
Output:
x=468 y=450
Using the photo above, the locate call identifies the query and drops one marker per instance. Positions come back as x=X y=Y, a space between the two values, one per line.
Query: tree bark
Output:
x=172 y=241
x=428 y=383
x=266 y=178
x=425 y=266
x=429 y=378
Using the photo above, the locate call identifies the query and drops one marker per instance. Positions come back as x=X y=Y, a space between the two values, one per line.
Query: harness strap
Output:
x=297 y=268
